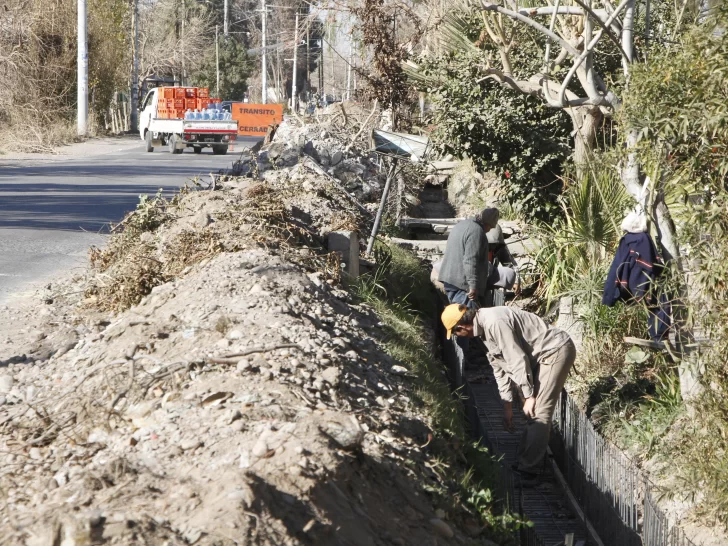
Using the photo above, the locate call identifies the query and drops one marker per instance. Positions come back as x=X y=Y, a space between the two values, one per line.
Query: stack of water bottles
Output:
x=213 y=112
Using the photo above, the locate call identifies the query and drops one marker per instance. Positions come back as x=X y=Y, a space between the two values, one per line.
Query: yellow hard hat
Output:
x=451 y=316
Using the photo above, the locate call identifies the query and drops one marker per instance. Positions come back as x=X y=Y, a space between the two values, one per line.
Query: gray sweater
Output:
x=465 y=263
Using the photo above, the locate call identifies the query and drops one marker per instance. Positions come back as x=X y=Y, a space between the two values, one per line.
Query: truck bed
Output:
x=193 y=126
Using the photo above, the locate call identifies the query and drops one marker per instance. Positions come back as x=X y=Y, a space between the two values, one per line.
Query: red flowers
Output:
x=508 y=174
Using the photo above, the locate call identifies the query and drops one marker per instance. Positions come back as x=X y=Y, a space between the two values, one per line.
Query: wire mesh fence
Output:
x=613 y=493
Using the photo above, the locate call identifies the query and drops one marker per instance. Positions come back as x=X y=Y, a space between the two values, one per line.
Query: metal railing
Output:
x=615 y=495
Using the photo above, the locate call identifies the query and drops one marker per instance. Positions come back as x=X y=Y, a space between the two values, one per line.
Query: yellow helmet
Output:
x=451 y=316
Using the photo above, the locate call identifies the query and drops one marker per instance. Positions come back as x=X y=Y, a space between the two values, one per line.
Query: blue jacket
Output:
x=634 y=268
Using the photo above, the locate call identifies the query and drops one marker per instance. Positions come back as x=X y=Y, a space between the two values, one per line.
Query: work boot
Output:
x=528 y=479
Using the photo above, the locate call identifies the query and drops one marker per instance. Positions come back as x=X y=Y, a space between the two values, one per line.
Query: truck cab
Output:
x=148 y=109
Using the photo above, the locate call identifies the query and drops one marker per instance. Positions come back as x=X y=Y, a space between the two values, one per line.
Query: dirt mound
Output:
x=153 y=427
x=209 y=381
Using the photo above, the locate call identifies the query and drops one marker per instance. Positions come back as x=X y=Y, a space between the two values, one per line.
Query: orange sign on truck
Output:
x=254 y=119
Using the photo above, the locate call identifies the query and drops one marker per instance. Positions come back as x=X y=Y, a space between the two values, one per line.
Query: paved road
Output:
x=52 y=210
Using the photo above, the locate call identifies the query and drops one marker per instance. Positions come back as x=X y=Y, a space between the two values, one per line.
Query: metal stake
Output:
x=217 y=58
x=382 y=204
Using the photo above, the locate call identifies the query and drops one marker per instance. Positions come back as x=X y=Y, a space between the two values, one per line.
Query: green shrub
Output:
x=513 y=135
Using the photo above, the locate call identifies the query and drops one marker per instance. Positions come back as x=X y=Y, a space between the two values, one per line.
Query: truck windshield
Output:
x=148 y=99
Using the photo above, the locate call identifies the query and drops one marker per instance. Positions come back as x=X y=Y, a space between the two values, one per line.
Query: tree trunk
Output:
x=666 y=232
x=688 y=369
x=586 y=120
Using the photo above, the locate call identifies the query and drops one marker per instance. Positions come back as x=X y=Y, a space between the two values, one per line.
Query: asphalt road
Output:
x=53 y=210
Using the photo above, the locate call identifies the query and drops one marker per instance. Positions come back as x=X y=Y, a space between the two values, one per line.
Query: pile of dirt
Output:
x=210 y=381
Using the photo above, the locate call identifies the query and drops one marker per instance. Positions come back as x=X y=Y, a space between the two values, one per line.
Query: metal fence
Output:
x=657 y=530
x=614 y=494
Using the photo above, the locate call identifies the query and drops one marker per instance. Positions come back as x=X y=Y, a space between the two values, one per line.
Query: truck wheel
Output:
x=173 y=145
x=197 y=149
x=148 y=140
x=220 y=150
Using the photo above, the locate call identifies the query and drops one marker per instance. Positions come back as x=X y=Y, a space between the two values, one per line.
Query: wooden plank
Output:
x=593 y=536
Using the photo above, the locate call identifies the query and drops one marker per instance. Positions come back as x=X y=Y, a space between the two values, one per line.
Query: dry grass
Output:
x=36 y=136
x=134 y=262
x=126 y=285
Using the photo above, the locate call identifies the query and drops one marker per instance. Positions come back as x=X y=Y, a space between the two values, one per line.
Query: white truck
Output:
x=179 y=134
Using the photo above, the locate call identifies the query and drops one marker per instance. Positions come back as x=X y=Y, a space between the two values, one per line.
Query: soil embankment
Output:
x=210 y=381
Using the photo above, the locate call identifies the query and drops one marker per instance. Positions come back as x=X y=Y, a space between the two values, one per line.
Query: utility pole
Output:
x=217 y=60
x=295 y=67
x=320 y=67
x=134 y=91
x=348 y=75
x=225 y=19
x=82 y=93
x=308 y=61
x=333 y=62
x=182 y=41
x=264 y=75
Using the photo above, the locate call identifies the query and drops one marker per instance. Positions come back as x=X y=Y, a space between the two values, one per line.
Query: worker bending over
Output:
x=526 y=353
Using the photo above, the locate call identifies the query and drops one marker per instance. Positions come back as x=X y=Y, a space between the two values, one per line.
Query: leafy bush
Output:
x=642 y=413
x=577 y=248
x=512 y=135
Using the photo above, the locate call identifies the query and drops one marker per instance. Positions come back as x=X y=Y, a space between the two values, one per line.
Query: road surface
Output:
x=53 y=209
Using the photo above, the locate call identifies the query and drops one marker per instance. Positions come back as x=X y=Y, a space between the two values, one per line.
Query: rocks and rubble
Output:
x=356 y=168
x=245 y=399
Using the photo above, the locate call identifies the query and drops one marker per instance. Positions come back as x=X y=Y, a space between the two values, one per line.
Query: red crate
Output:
x=203 y=93
x=203 y=104
x=179 y=104
x=190 y=92
x=190 y=104
x=167 y=92
x=162 y=113
x=178 y=114
x=179 y=92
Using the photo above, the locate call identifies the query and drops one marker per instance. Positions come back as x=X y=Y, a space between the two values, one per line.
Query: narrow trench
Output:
x=547 y=505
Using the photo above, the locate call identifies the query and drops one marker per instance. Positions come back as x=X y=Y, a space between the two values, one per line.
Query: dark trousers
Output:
x=660 y=318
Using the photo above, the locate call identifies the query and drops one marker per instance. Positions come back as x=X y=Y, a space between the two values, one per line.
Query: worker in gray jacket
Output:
x=465 y=269
x=527 y=354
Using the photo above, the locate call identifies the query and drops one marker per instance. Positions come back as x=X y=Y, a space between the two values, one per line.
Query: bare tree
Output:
x=575 y=32
x=38 y=68
x=173 y=38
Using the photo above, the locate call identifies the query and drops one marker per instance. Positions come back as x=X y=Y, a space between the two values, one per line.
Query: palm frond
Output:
x=453 y=34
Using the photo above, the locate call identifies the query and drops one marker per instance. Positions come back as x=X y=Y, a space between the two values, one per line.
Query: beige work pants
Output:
x=549 y=380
